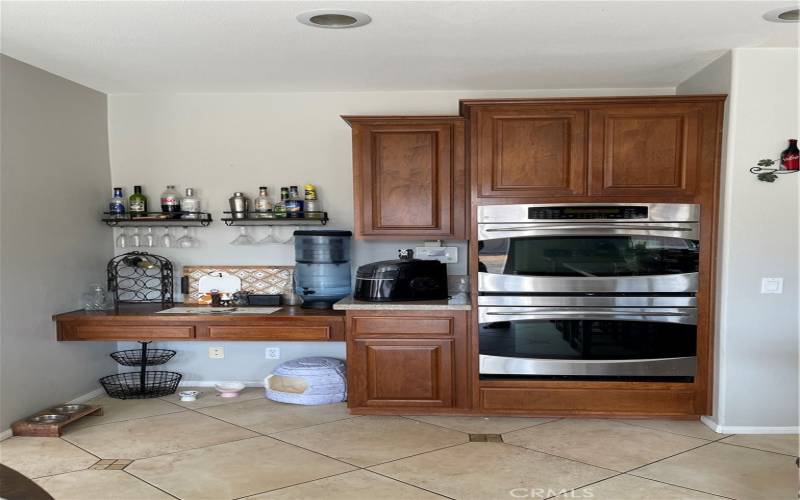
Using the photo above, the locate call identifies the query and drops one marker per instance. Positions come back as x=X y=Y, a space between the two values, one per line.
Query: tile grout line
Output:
x=671 y=484
x=411 y=417
x=720 y=441
x=260 y=434
x=571 y=490
x=672 y=432
x=563 y=457
x=296 y=484
x=409 y=484
x=415 y=455
x=151 y=484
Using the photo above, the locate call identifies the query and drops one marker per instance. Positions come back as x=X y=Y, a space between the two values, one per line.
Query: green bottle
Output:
x=137 y=203
x=279 y=210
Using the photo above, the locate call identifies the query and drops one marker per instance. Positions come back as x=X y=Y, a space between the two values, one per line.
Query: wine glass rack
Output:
x=257 y=219
x=198 y=219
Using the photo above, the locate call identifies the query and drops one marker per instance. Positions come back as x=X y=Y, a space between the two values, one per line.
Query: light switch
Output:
x=771 y=285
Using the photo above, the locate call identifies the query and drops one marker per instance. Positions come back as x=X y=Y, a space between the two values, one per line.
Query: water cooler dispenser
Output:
x=322 y=273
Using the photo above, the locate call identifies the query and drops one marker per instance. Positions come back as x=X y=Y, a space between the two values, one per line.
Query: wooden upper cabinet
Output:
x=580 y=148
x=529 y=150
x=651 y=149
x=409 y=177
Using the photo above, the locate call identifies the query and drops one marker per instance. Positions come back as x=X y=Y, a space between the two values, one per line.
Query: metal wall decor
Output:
x=765 y=172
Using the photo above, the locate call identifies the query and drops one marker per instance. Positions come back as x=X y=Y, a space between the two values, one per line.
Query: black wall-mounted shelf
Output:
x=253 y=219
x=154 y=219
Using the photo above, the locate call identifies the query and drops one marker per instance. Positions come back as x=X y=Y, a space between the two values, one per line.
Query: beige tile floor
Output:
x=220 y=449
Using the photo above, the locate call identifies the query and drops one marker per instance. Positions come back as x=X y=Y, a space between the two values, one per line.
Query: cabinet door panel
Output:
x=531 y=151
x=404 y=372
x=645 y=150
x=409 y=177
x=406 y=174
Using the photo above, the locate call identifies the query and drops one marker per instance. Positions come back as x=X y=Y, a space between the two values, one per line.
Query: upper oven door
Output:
x=588 y=255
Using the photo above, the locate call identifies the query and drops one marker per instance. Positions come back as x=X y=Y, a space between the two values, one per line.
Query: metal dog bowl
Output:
x=69 y=409
x=48 y=418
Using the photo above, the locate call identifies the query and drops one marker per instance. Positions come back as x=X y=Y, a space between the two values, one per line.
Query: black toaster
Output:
x=403 y=279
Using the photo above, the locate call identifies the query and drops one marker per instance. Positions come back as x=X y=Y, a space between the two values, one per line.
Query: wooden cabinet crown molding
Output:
x=466 y=104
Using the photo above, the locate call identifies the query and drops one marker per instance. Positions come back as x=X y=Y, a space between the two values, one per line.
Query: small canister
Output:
x=239 y=204
x=313 y=209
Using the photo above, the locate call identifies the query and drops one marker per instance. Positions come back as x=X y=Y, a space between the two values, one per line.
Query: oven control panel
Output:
x=590 y=212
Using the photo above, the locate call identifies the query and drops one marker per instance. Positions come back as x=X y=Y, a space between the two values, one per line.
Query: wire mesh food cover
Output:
x=137 y=277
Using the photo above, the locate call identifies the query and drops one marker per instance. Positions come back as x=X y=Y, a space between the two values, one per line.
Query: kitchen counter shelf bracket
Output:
x=203 y=219
x=321 y=218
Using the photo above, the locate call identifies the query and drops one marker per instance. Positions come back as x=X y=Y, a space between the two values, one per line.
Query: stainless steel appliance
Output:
x=591 y=291
x=607 y=248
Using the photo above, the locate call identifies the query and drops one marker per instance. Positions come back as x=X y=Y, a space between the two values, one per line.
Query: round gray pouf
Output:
x=308 y=381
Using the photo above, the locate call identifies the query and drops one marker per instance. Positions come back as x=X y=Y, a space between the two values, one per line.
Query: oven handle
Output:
x=588 y=226
x=586 y=313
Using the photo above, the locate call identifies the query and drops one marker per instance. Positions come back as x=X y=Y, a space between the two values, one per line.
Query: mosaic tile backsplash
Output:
x=255 y=279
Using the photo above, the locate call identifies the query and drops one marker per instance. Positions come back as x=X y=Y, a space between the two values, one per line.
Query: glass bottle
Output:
x=262 y=204
x=790 y=157
x=280 y=208
x=116 y=207
x=171 y=202
x=137 y=203
x=190 y=204
x=294 y=205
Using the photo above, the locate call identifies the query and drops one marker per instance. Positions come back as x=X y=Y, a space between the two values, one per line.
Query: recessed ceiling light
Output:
x=334 y=19
x=783 y=15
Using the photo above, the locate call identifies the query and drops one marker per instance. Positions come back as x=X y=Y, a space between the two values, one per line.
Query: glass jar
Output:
x=95 y=298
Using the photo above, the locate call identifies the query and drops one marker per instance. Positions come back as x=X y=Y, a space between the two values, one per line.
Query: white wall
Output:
x=757 y=338
x=221 y=143
x=54 y=171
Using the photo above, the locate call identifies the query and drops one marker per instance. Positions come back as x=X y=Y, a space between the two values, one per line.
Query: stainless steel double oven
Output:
x=588 y=291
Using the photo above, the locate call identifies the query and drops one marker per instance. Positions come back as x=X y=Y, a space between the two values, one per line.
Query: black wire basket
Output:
x=141 y=385
x=133 y=357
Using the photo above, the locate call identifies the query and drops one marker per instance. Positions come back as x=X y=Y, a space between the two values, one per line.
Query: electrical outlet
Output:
x=216 y=352
x=272 y=353
x=771 y=285
x=448 y=255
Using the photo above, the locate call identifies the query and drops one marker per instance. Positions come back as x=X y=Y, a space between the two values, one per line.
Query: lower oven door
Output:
x=588 y=342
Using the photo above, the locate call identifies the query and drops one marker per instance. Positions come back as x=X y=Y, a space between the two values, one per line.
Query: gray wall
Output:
x=55 y=176
x=757 y=334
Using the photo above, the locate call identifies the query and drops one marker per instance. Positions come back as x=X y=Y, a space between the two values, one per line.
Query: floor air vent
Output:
x=485 y=438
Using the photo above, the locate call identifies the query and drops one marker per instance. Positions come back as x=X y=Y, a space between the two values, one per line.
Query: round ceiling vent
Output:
x=783 y=15
x=334 y=19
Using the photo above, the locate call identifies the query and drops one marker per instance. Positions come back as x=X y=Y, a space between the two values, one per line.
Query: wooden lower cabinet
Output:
x=407 y=359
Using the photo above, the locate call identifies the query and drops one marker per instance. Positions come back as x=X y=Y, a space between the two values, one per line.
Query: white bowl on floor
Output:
x=229 y=389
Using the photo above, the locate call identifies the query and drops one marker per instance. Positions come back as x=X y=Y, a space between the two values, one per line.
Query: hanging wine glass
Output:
x=123 y=240
x=244 y=238
x=167 y=241
x=148 y=238
x=185 y=241
x=267 y=236
x=135 y=238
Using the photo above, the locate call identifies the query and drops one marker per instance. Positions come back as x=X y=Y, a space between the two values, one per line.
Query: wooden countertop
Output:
x=140 y=322
x=150 y=310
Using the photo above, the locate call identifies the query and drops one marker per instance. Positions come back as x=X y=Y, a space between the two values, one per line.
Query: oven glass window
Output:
x=587 y=339
x=589 y=256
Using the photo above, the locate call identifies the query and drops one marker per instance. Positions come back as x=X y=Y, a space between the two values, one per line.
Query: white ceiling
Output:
x=119 y=47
